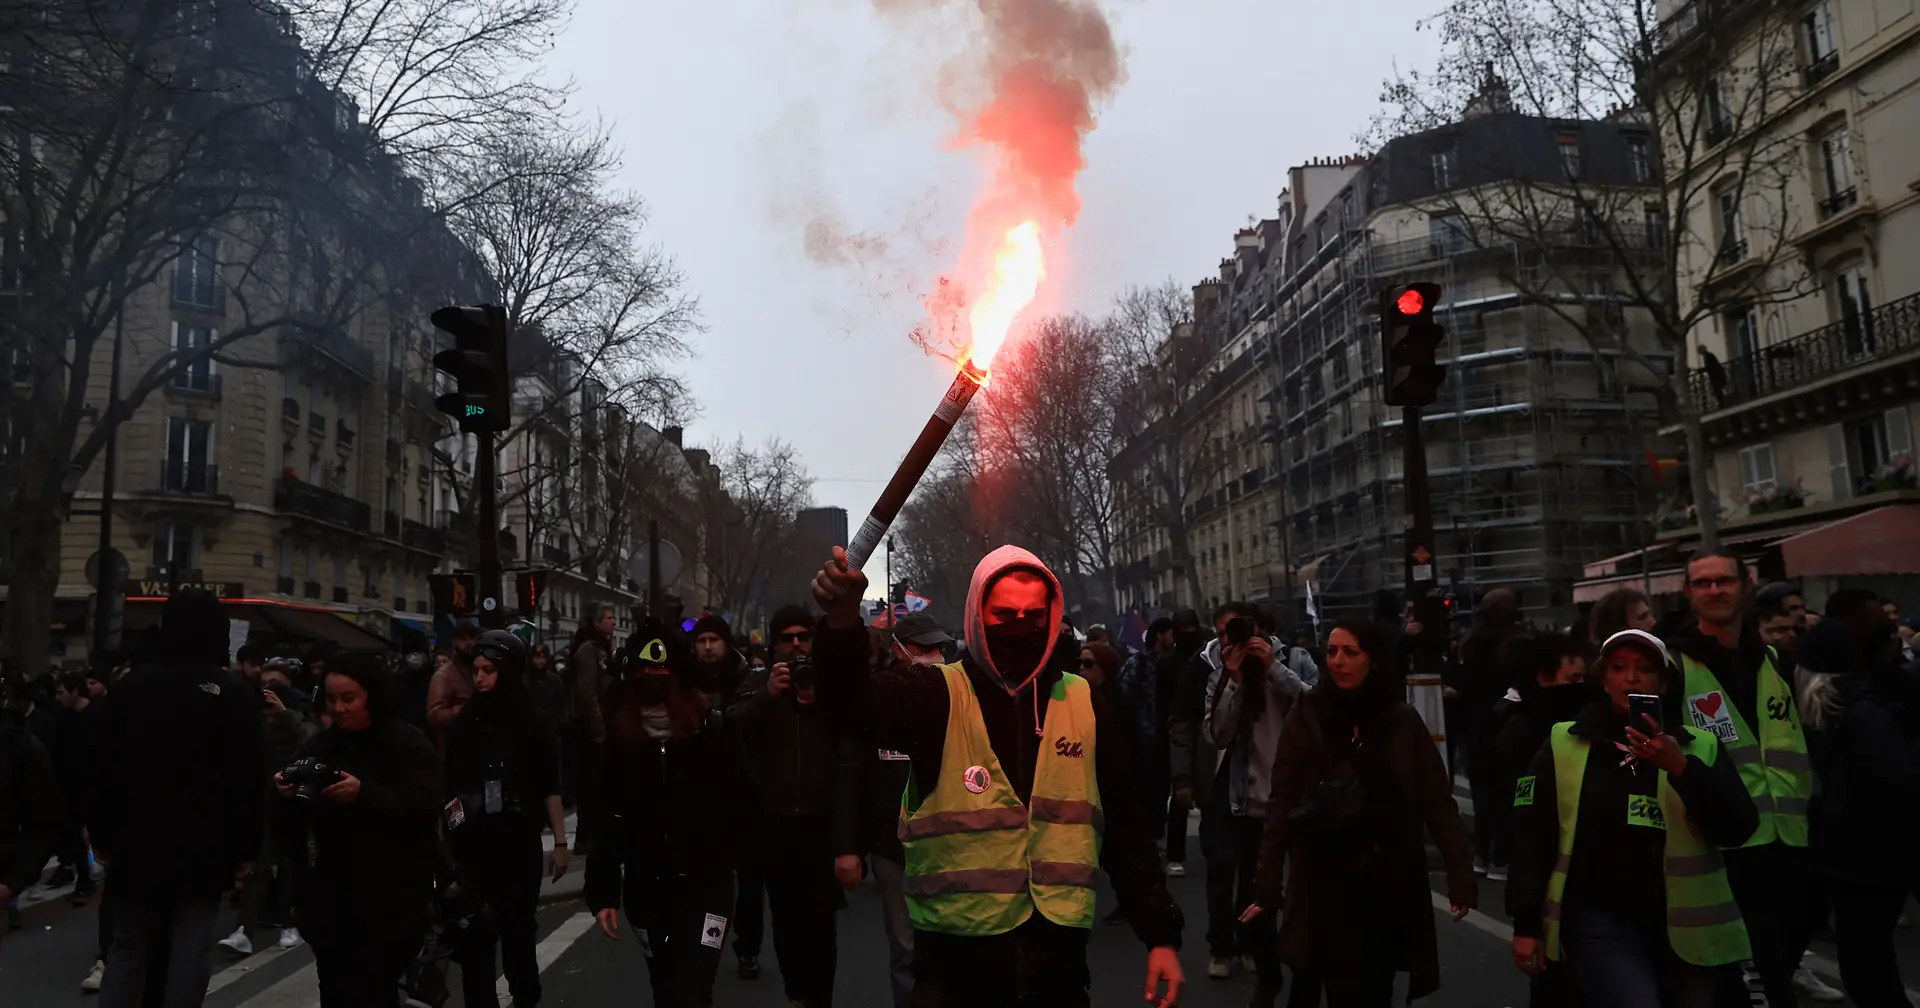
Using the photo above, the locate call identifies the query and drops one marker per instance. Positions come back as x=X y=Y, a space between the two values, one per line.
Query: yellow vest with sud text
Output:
x=1773 y=762
x=978 y=861
x=1703 y=922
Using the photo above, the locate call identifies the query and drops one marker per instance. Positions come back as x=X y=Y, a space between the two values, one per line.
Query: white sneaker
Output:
x=238 y=943
x=1479 y=866
x=1813 y=988
x=1497 y=873
x=1176 y=870
x=1247 y=965
x=1219 y=968
x=95 y=977
x=289 y=938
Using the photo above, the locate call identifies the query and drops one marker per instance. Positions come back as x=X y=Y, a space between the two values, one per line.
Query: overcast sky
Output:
x=743 y=119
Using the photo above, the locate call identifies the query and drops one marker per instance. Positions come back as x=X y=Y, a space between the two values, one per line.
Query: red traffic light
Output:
x=1411 y=302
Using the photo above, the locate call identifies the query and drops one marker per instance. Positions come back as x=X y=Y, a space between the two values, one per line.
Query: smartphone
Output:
x=1239 y=630
x=1639 y=704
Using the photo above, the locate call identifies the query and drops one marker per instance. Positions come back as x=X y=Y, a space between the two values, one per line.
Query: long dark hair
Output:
x=1385 y=684
x=1609 y=615
x=369 y=672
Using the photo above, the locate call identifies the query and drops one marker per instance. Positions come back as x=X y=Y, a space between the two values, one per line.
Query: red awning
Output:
x=1885 y=540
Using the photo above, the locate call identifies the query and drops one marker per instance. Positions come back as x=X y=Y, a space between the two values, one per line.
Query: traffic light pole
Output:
x=1429 y=649
x=493 y=615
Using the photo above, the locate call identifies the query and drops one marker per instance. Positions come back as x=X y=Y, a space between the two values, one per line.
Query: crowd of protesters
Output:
x=1758 y=780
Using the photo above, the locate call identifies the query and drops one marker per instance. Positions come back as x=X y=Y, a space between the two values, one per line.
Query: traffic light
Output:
x=478 y=362
x=454 y=594
x=1409 y=338
x=531 y=586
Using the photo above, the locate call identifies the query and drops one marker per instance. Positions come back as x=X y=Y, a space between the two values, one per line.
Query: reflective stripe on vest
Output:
x=1703 y=921
x=1773 y=763
x=980 y=863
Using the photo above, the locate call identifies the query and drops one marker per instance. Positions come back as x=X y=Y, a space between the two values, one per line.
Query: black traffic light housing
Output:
x=478 y=362
x=1409 y=340
x=531 y=586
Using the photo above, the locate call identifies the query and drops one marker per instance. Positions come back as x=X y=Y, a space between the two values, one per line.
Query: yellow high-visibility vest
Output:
x=978 y=861
x=1773 y=762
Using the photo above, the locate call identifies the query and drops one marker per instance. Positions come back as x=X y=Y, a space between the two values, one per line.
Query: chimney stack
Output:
x=673 y=434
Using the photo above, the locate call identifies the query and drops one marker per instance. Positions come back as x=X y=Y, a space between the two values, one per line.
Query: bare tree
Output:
x=1701 y=239
x=1163 y=465
x=140 y=135
x=750 y=520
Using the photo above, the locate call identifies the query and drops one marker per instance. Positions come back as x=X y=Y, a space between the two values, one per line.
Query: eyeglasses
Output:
x=797 y=637
x=1727 y=582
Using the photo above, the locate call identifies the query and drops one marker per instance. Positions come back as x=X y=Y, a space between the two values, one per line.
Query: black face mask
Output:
x=1016 y=649
x=651 y=688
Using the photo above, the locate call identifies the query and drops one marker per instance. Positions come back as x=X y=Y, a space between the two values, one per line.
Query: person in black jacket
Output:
x=1013 y=611
x=364 y=851
x=1623 y=941
x=679 y=794
x=502 y=785
x=30 y=812
x=810 y=777
x=1867 y=811
x=178 y=806
x=73 y=762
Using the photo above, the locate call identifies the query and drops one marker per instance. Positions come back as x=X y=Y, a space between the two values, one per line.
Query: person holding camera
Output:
x=680 y=803
x=810 y=777
x=502 y=785
x=1618 y=830
x=359 y=812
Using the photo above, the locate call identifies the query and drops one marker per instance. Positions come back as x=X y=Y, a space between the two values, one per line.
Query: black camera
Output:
x=308 y=777
x=800 y=667
x=1240 y=630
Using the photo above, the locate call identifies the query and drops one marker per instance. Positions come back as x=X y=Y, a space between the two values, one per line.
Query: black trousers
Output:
x=357 y=970
x=500 y=858
x=1863 y=923
x=749 y=912
x=803 y=897
x=1176 y=827
x=1036 y=965
x=588 y=801
x=1773 y=884
x=669 y=917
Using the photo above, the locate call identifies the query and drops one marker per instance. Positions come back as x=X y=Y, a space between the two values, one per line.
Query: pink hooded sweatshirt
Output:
x=991 y=566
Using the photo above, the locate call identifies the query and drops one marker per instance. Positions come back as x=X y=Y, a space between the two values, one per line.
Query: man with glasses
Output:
x=1736 y=688
x=810 y=776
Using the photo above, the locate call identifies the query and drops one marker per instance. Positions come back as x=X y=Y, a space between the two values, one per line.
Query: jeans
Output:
x=140 y=926
x=1863 y=922
x=891 y=877
x=802 y=897
x=1618 y=963
x=501 y=859
x=670 y=923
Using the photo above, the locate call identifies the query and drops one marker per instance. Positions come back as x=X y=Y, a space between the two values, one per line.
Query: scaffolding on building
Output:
x=1532 y=452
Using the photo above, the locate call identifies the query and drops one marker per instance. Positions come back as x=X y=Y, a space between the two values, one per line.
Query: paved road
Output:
x=42 y=965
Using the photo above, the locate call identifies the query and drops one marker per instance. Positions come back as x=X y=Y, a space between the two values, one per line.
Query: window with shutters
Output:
x=1756 y=468
x=1835 y=152
x=189 y=462
x=1853 y=306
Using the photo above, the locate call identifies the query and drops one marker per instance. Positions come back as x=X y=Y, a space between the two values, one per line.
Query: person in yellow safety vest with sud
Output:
x=1738 y=688
x=1021 y=791
x=1618 y=826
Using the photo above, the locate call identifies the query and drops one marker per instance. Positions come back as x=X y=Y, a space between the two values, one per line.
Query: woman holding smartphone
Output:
x=1617 y=828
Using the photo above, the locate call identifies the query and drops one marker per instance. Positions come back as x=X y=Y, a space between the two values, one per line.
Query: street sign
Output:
x=669 y=564
x=116 y=568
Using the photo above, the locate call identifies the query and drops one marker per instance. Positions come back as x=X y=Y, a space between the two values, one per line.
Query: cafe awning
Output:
x=1885 y=540
x=316 y=626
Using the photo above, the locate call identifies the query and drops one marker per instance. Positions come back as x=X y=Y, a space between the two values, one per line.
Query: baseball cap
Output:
x=1652 y=646
x=920 y=628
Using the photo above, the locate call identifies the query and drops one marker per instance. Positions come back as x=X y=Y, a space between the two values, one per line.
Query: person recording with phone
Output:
x=1618 y=828
x=679 y=796
x=358 y=822
x=810 y=778
x=502 y=785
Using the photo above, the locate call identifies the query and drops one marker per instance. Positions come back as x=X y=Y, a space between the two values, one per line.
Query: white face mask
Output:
x=414 y=661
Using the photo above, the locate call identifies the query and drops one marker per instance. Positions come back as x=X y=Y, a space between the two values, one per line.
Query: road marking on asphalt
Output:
x=1814 y=961
x=550 y=947
x=245 y=966
x=301 y=989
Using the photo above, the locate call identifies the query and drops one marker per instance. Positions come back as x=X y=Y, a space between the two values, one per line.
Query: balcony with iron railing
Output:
x=390 y=524
x=1821 y=67
x=196 y=381
x=555 y=555
x=297 y=497
x=190 y=478
x=1398 y=255
x=1835 y=202
x=1858 y=345
x=423 y=537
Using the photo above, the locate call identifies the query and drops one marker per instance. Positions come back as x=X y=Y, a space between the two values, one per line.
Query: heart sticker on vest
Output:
x=1708 y=705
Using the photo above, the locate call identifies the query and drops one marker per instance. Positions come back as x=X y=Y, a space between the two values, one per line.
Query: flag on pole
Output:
x=915 y=603
x=1313 y=608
